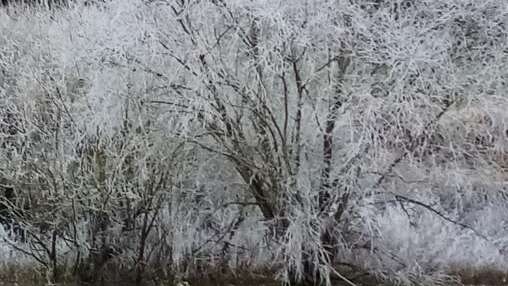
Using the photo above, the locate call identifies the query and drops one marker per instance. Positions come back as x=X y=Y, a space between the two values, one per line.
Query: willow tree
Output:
x=330 y=114
x=320 y=104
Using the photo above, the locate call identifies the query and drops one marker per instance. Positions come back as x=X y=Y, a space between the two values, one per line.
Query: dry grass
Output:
x=491 y=276
x=21 y=275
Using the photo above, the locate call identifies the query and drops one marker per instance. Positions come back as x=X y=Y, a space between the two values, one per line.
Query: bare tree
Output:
x=162 y=138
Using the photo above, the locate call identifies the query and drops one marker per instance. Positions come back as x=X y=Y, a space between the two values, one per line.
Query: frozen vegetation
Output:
x=305 y=140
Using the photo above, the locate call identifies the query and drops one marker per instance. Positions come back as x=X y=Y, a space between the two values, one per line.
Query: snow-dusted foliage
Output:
x=170 y=136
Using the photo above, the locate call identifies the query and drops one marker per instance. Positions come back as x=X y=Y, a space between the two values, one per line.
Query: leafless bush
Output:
x=172 y=136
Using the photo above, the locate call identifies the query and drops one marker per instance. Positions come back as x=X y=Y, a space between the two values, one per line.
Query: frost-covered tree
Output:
x=291 y=134
x=321 y=105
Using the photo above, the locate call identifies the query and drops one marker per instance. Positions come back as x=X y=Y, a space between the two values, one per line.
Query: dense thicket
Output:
x=46 y=3
x=167 y=137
